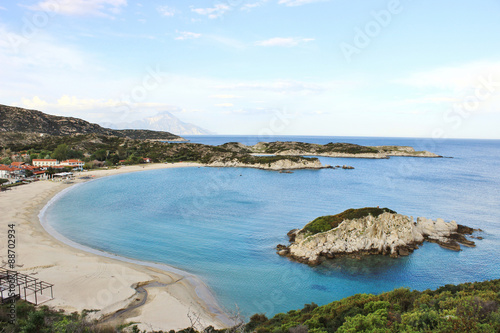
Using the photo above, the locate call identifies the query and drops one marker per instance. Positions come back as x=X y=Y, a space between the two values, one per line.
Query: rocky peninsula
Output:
x=370 y=231
x=339 y=149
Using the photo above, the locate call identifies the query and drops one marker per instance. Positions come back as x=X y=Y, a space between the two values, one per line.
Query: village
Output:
x=23 y=169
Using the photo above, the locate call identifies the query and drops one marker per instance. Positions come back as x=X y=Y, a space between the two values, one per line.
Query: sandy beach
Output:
x=84 y=280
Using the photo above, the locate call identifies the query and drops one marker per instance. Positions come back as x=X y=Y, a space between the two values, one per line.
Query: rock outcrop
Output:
x=282 y=164
x=388 y=233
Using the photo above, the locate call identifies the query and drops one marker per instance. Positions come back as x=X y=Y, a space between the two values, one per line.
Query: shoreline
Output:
x=86 y=278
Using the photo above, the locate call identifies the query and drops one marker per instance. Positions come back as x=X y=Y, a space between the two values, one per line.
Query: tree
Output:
x=61 y=152
x=100 y=155
x=2 y=181
x=6 y=161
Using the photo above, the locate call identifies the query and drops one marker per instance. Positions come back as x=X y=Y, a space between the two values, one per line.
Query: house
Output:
x=75 y=164
x=18 y=164
x=6 y=171
x=146 y=160
x=45 y=162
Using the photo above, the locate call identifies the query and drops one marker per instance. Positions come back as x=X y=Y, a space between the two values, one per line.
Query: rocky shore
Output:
x=388 y=233
x=283 y=164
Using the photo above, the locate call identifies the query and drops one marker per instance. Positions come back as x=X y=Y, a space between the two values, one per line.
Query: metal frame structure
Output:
x=22 y=285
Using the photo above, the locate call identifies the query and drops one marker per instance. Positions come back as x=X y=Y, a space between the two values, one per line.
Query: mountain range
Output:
x=164 y=121
x=19 y=120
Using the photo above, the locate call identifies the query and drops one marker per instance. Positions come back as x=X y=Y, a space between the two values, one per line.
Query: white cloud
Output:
x=292 y=3
x=225 y=105
x=69 y=102
x=461 y=77
x=3 y=8
x=166 y=11
x=283 y=42
x=183 y=35
x=250 y=6
x=213 y=12
x=104 y=8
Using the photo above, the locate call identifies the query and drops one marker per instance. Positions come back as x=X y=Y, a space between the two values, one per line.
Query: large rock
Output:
x=389 y=234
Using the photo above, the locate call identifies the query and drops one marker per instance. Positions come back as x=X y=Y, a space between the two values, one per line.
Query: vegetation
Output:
x=469 y=307
x=111 y=150
x=31 y=319
x=325 y=223
x=313 y=149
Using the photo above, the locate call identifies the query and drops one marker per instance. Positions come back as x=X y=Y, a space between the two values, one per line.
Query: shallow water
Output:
x=223 y=224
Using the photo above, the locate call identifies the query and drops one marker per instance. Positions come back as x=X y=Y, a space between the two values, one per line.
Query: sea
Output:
x=223 y=224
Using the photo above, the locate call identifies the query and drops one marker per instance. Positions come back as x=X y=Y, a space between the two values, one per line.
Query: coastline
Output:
x=85 y=278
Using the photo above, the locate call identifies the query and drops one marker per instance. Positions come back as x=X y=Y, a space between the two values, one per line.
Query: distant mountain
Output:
x=19 y=120
x=164 y=121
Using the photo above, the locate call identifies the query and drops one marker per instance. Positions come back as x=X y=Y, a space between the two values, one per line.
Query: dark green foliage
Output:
x=469 y=307
x=313 y=148
x=325 y=223
x=31 y=319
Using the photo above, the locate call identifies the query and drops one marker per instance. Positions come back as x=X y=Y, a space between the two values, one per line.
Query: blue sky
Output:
x=301 y=67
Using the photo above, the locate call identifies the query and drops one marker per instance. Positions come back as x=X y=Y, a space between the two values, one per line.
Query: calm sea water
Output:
x=223 y=224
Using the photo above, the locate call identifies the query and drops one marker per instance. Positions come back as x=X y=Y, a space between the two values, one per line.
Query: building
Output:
x=45 y=163
x=6 y=171
x=146 y=160
x=75 y=164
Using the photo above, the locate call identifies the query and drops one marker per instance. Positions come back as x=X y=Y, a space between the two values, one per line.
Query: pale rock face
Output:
x=384 y=233
x=278 y=165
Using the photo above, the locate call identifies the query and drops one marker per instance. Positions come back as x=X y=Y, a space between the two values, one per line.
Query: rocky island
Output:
x=370 y=230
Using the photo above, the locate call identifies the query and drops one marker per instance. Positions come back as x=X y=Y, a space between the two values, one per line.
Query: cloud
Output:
x=3 y=8
x=104 y=8
x=283 y=42
x=456 y=78
x=214 y=12
x=225 y=105
x=69 y=102
x=293 y=3
x=250 y=6
x=183 y=35
x=166 y=11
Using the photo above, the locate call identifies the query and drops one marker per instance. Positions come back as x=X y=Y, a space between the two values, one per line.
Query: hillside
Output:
x=469 y=307
x=19 y=120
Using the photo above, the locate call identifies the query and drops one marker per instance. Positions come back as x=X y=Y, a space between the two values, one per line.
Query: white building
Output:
x=45 y=163
x=72 y=163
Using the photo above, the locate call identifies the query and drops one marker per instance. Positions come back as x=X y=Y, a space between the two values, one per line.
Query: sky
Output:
x=398 y=68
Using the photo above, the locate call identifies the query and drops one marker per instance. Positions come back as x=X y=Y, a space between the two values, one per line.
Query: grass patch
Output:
x=325 y=223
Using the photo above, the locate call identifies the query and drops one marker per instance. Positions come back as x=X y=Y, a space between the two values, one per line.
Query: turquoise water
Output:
x=223 y=224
